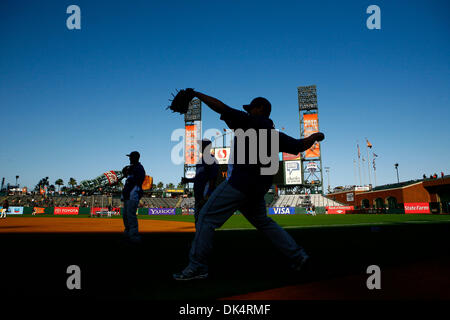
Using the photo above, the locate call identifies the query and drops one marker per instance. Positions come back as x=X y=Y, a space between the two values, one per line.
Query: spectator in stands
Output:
x=424 y=176
x=442 y=174
x=204 y=180
x=435 y=176
x=131 y=195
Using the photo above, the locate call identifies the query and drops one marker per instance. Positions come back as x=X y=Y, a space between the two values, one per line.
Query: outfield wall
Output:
x=409 y=208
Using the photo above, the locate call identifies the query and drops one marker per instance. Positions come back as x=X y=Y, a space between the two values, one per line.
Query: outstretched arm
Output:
x=215 y=104
x=295 y=146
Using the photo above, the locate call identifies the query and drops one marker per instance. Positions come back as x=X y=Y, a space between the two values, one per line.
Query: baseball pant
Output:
x=221 y=205
x=130 y=220
x=198 y=207
x=3 y=213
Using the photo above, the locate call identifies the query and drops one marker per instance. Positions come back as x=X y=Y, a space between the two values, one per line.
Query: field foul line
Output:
x=342 y=225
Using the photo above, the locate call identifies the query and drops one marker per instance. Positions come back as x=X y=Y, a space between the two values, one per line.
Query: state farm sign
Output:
x=419 y=207
x=66 y=210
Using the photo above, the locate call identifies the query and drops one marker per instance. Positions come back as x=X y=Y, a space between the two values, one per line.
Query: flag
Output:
x=369 y=145
x=359 y=153
x=375 y=155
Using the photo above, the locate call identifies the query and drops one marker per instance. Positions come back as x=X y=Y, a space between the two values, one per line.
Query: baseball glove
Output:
x=181 y=100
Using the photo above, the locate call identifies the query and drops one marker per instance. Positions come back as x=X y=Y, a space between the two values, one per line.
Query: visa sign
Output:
x=288 y=210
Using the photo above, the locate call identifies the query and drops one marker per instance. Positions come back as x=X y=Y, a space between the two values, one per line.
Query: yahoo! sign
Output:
x=155 y=211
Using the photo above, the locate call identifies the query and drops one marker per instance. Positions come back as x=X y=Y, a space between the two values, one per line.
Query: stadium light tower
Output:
x=327 y=170
x=396 y=168
x=311 y=159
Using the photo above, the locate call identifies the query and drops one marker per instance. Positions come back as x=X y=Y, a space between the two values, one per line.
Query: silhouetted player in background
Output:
x=131 y=194
x=244 y=190
x=204 y=180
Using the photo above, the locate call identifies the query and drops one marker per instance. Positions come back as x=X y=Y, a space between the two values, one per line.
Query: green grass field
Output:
x=238 y=221
x=305 y=221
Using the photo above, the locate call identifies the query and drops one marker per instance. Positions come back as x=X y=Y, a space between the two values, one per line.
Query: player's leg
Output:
x=220 y=206
x=125 y=219
x=133 y=232
x=256 y=214
x=199 y=203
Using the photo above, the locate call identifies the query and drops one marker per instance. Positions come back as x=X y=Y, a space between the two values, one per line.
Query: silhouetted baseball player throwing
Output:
x=244 y=190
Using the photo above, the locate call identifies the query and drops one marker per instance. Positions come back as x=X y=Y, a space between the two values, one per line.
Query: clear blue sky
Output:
x=73 y=103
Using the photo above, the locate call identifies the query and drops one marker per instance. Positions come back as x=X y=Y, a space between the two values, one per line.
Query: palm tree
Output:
x=59 y=183
x=170 y=186
x=41 y=184
x=72 y=182
x=51 y=188
x=160 y=185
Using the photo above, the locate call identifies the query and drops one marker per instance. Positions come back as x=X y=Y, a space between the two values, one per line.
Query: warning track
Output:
x=87 y=225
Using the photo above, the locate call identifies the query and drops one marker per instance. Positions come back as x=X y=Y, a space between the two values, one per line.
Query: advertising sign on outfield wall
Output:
x=187 y=211
x=39 y=210
x=191 y=148
x=94 y=210
x=311 y=125
x=282 y=210
x=14 y=210
x=288 y=156
x=222 y=155
x=350 y=197
x=339 y=209
x=293 y=172
x=417 y=208
x=155 y=211
x=66 y=210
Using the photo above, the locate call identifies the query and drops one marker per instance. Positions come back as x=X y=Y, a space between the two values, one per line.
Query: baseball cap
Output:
x=258 y=102
x=134 y=154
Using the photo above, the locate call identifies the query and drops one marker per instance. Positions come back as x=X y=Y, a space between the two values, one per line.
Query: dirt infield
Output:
x=83 y=225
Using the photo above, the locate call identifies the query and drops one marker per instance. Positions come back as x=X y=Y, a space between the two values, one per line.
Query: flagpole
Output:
x=368 y=165
x=375 y=175
x=354 y=171
x=374 y=169
x=363 y=172
x=359 y=165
